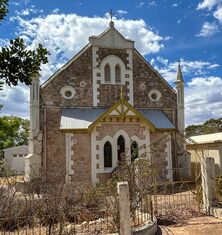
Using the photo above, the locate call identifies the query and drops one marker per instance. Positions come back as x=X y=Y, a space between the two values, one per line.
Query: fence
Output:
x=22 y=214
x=57 y=216
x=218 y=198
x=89 y=222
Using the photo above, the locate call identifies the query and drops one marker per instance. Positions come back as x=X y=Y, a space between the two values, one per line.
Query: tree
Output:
x=3 y=9
x=210 y=126
x=13 y=132
x=17 y=63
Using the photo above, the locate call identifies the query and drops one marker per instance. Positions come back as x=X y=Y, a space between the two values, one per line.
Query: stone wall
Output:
x=110 y=94
x=144 y=80
x=81 y=157
x=111 y=129
x=121 y=53
x=159 y=156
x=54 y=140
x=110 y=132
x=79 y=75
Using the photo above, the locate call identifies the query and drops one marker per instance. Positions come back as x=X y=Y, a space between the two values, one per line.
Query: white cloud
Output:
x=121 y=12
x=175 y=5
x=64 y=35
x=203 y=94
x=218 y=13
x=141 y=4
x=203 y=98
x=152 y=3
x=209 y=4
x=208 y=29
x=169 y=70
x=28 y=11
x=15 y=101
x=55 y=11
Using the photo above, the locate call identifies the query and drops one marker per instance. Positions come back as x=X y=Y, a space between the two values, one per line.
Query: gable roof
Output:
x=154 y=70
x=112 y=38
x=66 y=65
x=97 y=41
x=88 y=118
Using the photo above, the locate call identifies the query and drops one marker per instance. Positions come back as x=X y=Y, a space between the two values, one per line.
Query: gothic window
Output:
x=134 y=151
x=107 y=154
x=121 y=148
x=107 y=73
x=118 y=73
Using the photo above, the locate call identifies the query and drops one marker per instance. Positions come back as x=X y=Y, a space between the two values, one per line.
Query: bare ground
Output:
x=194 y=226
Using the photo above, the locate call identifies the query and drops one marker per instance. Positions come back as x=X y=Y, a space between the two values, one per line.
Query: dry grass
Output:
x=11 y=180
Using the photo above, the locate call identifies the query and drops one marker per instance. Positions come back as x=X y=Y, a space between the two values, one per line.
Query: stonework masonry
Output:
x=81 y=149
x=121 y=53
x=110 y=94
x=143 y=74
x=110 y=132
x=111 y=129
x=79 y=70
x=159 y=156
x=53 y=140
x=138 y=79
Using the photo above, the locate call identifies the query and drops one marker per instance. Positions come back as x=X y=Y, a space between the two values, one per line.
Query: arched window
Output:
x=107 y=73
x=121 y=148
x=107 y=154
x=118 y=73
x=134 y=151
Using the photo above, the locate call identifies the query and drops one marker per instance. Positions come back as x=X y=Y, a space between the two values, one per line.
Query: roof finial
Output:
x=121 y=92
x=111 y=24
x=111 y=15
x=179 y=72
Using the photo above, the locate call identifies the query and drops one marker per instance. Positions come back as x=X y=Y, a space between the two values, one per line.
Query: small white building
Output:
x=14 y=158
x=209 y=145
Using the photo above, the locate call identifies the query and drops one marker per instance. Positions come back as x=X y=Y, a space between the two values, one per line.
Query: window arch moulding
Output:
x=113 y=61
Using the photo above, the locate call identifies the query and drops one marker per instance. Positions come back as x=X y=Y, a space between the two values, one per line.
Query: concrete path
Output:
x=195 y=226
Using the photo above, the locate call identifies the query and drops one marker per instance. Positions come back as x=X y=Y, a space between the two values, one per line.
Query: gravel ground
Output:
x=195 y=226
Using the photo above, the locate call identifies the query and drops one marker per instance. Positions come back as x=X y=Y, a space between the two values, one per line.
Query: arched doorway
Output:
x=121 y=148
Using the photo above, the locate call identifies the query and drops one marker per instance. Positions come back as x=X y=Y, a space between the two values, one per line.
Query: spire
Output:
x=179 y=72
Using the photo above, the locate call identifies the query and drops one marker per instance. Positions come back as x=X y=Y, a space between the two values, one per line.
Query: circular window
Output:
x=82 y=84
x=68 y=92
x=154 y=95
x=143 y=86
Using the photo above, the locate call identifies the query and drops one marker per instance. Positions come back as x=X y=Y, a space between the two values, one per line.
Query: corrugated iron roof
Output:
x=79 y=118
x=158 y=118
x=209 y=138
x=82 y=118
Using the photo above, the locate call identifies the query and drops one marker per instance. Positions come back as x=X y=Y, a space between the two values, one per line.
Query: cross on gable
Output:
x=111 y=14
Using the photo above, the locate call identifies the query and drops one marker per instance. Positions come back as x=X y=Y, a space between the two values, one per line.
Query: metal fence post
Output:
x=124 y=208
x=208 y=182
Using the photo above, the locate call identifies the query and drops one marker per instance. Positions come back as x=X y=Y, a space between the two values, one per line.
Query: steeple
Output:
x=179 y=72
x=33 y=159
x=180 y=100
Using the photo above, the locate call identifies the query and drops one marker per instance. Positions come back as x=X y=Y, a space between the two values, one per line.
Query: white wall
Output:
x=14 y=158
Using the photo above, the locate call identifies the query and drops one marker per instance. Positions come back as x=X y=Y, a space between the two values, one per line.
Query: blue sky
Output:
x=164 y=31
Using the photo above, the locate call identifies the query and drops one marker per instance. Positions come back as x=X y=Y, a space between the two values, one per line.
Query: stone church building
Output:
x=105 y=102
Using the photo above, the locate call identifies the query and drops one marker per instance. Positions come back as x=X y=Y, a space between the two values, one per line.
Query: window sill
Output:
x=108 y=169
